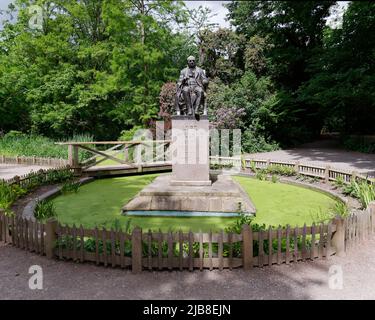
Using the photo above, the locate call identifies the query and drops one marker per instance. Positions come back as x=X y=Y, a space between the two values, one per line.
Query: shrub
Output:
x=44 y=209
x=339 y=182
x=281 y=170
x=218 y=166
x=253 y=142
x=358 y=144
x=9 y=194
x=363 y=191
x=341 y=209
x=70 y=186
x=274 y=178
x=16 y=143
x=261 y=175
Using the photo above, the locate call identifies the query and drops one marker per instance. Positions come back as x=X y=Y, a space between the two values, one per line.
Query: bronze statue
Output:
x=191 y=90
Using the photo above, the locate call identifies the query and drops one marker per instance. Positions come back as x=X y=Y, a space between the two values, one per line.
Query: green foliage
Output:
x=274 y=178
x=44 y=209
x=281 y=170
x=253 y=142
x=128 y=135
x=219 y=166
x=253 y=167
x=70 y=186
x=9 y=194
x=20 y=144
x=341 y=209
x=359 y=144
x=261 y=174
x=95 y=66
x=339 y=182
x=363 y=191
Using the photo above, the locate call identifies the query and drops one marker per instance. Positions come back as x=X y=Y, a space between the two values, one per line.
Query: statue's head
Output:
x=191 y=61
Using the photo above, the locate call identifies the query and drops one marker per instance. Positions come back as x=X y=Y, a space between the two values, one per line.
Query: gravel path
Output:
x=324 y=152
x=8 y=171
x=303 y=280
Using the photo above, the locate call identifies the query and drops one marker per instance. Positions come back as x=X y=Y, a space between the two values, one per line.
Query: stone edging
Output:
x=28 y=211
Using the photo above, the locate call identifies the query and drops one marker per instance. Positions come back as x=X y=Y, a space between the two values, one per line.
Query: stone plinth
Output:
x=190 y=151
x=224 y=195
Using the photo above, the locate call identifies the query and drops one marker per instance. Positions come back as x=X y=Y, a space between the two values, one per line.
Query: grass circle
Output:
x=99 y=204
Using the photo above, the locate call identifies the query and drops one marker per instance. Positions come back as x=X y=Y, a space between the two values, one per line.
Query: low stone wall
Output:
x=28 y=211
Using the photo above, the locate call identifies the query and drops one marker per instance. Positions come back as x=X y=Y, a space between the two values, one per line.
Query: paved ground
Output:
x=323 y=152
x=8 y=171
x=303 y=280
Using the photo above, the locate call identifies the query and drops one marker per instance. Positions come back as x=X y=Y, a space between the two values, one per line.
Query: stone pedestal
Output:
x=224 y=195
x=190 y=151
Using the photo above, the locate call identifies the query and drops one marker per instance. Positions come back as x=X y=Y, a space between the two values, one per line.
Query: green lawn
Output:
x=282 y=204
x=99 y=204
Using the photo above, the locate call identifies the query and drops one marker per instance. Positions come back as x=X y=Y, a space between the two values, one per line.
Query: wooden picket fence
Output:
x=36 y=161
x=25 y=180
x=187 y=250
x=23 y=233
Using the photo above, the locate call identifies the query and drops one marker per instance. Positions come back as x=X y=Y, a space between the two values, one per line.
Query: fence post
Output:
x=296 y=167
x=338 y=238
x=137 y=250
x=247 y=247
x=326 y=174
x=17 y=180
x=2 y=159
x=50 y=239
x=354 y=176
x=73 y=155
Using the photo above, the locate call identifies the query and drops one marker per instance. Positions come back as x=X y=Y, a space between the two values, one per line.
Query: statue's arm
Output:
x=181 y=79
x=204 y=78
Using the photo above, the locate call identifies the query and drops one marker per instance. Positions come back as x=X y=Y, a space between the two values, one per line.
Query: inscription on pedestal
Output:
x=190 y=151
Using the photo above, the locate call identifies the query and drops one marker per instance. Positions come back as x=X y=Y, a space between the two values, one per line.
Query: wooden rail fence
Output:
x=158 y=151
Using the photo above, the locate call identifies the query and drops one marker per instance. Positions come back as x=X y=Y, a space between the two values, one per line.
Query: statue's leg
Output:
x=186 y=94
x=198 y=93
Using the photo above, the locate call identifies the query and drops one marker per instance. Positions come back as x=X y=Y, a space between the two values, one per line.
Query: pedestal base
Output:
x=190 y=183
x=224 y=195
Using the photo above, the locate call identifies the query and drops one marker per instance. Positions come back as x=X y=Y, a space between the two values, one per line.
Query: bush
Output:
x=363 y=191
x=341 y=209
x=252 y=143
x=261 y=175
x=9 y=194
x=358 y=144
x=281 y=170
x=70 y=186
x=339 y=182
x=16 y=143
x=218 y=166
x=44 y=209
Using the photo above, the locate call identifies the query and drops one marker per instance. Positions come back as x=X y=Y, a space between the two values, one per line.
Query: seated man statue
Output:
x=191 y=88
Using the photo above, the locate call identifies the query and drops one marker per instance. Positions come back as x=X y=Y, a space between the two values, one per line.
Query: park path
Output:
x=302 y=280
x=324 y=152
x=8 y=171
